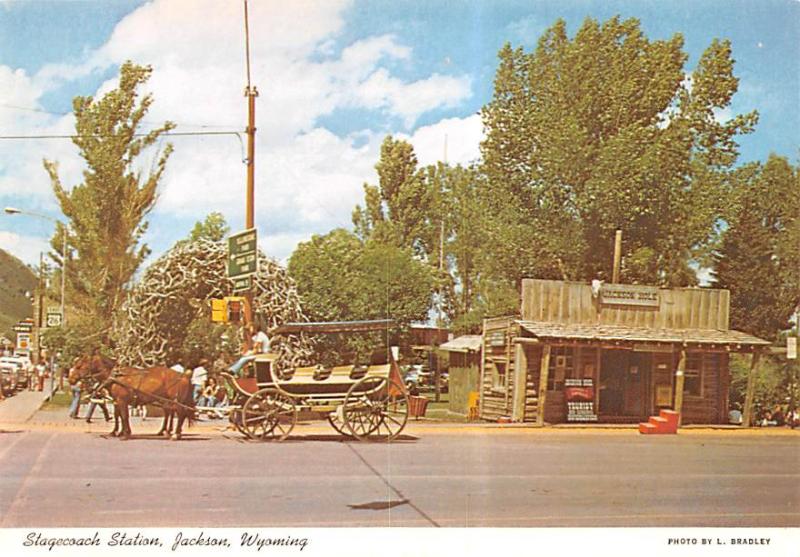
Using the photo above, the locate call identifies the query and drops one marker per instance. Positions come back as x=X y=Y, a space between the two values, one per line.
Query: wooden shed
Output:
x=463 y=371
x=611 y=353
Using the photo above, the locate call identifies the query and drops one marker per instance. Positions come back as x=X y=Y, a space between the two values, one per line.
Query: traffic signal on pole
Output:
x=219 y=311
x=235 y=310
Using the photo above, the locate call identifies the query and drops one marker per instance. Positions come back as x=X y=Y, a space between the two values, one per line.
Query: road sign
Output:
x=54 y=317
x=23 y=341
x=791 y=348
x=243 y=254
x=23 y=326
x=242 y=284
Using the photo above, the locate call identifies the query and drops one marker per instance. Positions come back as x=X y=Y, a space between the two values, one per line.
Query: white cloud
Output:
x=307 y=178
x=26 y=248
x=463 y=135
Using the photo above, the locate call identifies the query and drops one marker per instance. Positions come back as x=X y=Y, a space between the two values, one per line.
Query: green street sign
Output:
x=242 y=284
x=243 y=254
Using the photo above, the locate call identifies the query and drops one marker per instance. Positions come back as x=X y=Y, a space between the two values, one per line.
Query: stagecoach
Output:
x=365 y=401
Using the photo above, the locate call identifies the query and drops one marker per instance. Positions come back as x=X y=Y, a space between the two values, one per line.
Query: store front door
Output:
x=624 y=384
x=613 y=364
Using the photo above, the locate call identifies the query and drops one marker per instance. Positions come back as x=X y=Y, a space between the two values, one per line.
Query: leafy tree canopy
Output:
x=601 y=131
x=759 y=256
x=342 y=278
x=106 y=211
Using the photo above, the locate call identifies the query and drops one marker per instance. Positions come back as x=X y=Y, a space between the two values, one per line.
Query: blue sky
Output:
x=335 y=77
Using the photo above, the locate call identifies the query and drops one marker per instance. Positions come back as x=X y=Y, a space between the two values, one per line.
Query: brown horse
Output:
x=131 y=386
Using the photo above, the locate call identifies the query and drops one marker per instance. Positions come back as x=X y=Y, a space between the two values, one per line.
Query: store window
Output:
x=693 y=377
x=499 y=375
x=562 y=365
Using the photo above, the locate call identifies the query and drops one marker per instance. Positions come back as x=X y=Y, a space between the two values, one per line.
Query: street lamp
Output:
x=15 y=211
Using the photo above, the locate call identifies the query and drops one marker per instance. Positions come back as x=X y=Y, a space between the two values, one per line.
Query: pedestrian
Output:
x=97 y=398
x=74 y=406
x=41 y=372
x=199 y=377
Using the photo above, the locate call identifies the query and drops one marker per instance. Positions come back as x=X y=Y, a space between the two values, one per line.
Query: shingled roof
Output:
x=613 y=333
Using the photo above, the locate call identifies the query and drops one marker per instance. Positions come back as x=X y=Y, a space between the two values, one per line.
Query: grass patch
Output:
x=58 y=400
x=440 y=411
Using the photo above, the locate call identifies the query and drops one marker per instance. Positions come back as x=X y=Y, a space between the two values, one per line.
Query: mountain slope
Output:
x=15 y=279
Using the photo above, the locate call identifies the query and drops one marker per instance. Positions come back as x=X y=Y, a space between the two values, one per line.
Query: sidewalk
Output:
x=23 y=405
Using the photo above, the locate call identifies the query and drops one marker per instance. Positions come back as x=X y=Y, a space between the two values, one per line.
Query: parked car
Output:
x=9 y=378
x=21 y=368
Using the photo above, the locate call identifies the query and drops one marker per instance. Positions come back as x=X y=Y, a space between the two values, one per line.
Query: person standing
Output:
x=74 y=406
x=97 y=398
x=199 y=377
x=41 y=372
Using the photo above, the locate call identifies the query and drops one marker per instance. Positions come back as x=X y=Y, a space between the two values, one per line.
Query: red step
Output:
x=666 y=423
x=647 y=429
x=672 y=418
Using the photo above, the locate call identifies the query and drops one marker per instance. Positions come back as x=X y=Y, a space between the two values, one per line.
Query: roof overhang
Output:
x=639 y=337
x=463 y=344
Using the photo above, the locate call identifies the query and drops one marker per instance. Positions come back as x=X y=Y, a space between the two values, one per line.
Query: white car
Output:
x=20 y=368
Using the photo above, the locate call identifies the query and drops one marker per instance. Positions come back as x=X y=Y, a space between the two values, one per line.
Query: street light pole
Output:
x=15 y=211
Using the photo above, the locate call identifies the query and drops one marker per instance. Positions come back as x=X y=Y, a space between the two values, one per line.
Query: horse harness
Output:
x=137 y=391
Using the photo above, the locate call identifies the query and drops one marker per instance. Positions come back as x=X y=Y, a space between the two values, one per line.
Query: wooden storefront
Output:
x=610 y=353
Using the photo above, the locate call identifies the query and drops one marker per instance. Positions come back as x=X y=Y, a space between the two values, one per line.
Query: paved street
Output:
x=437 y=476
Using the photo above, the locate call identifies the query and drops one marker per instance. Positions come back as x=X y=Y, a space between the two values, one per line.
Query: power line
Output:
x=100 y=136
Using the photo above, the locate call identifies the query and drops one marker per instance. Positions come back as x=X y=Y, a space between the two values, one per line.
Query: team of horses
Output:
x=130 y=386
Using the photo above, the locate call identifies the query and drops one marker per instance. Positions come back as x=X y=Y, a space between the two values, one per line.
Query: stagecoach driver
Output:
x=260 y=345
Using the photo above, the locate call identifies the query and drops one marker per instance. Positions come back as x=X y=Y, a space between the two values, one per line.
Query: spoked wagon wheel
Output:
x=269 y=415
x=376 y=408
x=338 y=425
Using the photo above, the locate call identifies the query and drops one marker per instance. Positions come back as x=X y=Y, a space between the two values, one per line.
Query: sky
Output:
x=334 y=78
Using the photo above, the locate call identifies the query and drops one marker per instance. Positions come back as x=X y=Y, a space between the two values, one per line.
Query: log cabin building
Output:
x=611 y=353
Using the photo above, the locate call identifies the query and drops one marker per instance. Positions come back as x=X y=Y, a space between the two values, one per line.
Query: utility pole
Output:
x=251 y=92
x=617 y=256
x=39 y=309
x=438 y=374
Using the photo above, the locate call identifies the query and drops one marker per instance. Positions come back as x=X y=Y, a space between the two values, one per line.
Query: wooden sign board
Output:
x=629 y=295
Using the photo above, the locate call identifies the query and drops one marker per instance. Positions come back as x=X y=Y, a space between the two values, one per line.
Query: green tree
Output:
x=605 y=131
x=106 y=211
x=214 y=228
x=341 y=278
x=394 y=211
x=759 y=256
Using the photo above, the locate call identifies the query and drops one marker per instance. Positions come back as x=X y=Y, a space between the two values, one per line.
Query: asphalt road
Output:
x=54 y=478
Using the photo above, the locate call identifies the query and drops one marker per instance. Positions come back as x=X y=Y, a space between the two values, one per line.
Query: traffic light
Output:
x=234 y=311
x=219 y=311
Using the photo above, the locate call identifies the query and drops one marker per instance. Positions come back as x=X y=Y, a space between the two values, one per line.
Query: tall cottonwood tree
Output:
x=759 y=256
x=601 y=131
x=106 y=211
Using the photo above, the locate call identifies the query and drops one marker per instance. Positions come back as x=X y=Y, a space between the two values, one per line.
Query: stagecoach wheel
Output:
x=338 y=425
x=376 y=408
x=269 y=415
x=237 y=419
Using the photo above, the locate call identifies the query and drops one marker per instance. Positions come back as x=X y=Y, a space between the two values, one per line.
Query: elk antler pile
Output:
x=177 y=288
